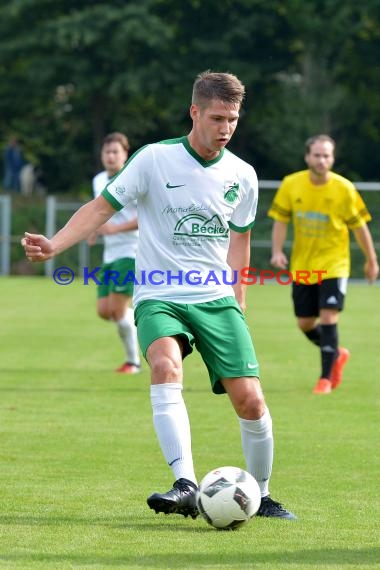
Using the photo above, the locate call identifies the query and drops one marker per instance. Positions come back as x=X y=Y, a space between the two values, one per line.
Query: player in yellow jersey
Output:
x=322 y=207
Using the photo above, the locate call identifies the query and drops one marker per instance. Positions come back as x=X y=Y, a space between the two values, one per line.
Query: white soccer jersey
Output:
x=122 y=244
x=186 y=207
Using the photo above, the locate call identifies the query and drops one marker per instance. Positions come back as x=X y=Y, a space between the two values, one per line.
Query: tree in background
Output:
x=71 y=70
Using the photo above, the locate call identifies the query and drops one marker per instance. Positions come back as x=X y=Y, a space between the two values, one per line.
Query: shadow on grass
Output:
x=336 y=557
x=174 y=524
x=189 y=558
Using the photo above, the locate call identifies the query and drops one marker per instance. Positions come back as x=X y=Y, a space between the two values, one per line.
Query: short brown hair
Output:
x=322 y=138
x=210 y=85
x=117 y=137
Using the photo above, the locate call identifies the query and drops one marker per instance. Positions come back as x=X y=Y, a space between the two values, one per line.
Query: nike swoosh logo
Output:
x=170 y=186
x=174 y=460
x=251 y=366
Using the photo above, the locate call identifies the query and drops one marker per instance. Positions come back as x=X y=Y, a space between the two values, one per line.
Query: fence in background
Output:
x=5 y=234
x=53 y=206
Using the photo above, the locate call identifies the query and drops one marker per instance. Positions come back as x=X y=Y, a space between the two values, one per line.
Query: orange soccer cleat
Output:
x=337 y=369
x=128 y=368
x=323 y=386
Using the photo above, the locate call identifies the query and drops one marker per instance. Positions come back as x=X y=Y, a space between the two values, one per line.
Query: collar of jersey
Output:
x=202 y=161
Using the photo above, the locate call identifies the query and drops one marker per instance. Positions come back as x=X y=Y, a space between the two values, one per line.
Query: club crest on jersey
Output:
x=231 y=191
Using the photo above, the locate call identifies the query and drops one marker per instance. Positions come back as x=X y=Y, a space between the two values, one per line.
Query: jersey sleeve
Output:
x=357 y=214
x=362 y=208
x=243 y=217
x=281 y=209
x=132 y=181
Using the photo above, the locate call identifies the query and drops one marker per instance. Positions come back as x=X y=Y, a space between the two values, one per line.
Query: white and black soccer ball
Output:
x=228 y=497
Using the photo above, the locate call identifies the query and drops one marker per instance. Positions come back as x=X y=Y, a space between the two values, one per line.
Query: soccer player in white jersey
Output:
x=120 y=237
x=196 y=206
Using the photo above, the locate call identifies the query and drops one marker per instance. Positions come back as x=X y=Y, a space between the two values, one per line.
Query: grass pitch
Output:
x=78 y=454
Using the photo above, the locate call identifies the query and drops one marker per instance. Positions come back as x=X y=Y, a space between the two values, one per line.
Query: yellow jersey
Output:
x=322 y=216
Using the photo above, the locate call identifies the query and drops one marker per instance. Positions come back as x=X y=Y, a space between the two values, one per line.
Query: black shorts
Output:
x=308 y=300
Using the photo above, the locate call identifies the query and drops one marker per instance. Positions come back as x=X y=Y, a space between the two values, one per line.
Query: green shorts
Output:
x=112 y=277
x=217 y=328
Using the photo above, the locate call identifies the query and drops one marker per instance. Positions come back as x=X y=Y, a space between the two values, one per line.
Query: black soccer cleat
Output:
x=270 y=508
x=182 y=499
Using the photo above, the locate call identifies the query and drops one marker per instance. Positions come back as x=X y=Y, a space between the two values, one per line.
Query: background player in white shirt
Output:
x=120 y=237
x=196 y=207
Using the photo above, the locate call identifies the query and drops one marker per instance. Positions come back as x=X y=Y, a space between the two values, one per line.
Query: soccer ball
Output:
x=228 y=497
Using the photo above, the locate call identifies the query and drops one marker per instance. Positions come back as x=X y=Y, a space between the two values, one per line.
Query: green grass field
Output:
x=79 y=455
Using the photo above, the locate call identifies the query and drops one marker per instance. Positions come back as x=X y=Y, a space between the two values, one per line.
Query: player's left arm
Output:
x=239 y=253
x=365 y=242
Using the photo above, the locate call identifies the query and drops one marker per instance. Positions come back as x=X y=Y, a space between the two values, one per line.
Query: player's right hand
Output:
x=371 y=270
x=37 y=247
x=279 y=260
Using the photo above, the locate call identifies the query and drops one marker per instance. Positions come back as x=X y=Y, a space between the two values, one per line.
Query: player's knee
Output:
x=252 y=407
x=165 y=368
x=306 y=324
x=255 y=408
x=104 y=314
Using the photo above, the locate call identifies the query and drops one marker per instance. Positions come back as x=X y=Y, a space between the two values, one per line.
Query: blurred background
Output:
x=73 y=70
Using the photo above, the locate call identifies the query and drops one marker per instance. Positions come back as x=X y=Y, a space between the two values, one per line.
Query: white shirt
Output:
x=122 y=244
x=186 y=207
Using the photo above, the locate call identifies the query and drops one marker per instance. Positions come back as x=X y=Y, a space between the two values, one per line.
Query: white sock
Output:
x=257 y=441
x=128 y=334
x=172 y=427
